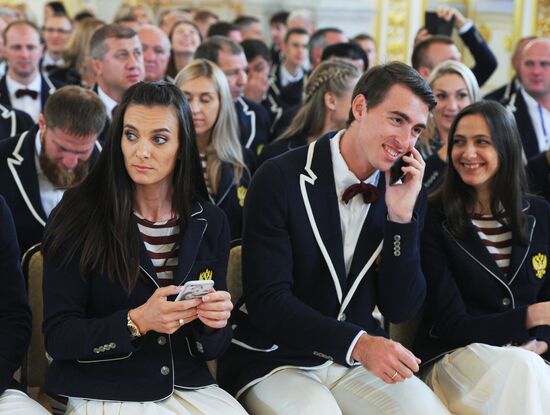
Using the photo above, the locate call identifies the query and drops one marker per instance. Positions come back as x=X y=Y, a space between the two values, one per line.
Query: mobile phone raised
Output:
x=396 y=174
x=438 y=26
x=194 y=289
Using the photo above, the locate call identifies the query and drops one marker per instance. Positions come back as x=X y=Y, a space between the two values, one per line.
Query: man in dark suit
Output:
x=318 y=256
x=531 y=103
x=24 y=87
x=13 y=121
x=39 y=165
x=56 y=32
x=253 y=118
x=15 y=322
x=504 y=93
x=429 y=51
x=117 y=61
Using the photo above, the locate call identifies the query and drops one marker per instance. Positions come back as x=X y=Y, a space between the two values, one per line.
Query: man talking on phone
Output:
x=326 y=239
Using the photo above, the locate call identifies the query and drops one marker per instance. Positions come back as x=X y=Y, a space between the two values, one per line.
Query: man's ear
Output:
x=41 y=122
x=96 y=66
x=424 y=72
x=359 y=106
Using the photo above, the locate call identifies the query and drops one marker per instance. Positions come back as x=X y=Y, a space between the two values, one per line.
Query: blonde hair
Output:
x=454 y=68
x=330 y=76
x=77 y=50
x=224 y=145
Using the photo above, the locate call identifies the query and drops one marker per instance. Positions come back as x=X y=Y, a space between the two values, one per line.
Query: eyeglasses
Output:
x=53 y=30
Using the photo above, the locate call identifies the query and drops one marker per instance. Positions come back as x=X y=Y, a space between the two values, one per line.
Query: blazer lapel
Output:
x=22 y=167
x=189 y=244
x=370 y=238
x=4 y=93
x=319 y=196
x=225 y=186
x=46 y=90
x=247 y=122
x=472 y=245
x=519 y=251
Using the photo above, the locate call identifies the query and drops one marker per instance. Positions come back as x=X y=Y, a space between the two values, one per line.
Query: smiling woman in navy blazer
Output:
x=484 y=252
x=117 y=248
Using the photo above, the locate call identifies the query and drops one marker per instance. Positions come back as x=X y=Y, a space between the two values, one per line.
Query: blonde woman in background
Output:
x=226 y=172
x=327 y=101
x=454 y=87
x=77 y=70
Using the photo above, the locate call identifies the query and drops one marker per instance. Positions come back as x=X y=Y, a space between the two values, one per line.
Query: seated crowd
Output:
x=138 y=153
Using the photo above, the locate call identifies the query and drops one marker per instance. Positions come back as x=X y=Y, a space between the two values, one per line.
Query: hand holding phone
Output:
x=396 y=174
x=436 y=25
x=195 y=289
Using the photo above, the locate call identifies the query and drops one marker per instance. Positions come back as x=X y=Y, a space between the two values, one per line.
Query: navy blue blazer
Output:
x=517 y=105
x=301 y=307
x=19 y=186
x=538 y=172
x=469 y=300
x=85 y=325
x=504 y=93
x=484 y=58
x=230 y=198
x=276 y=148
x=13 y=122
x=48 y=87
x=15 y=314
x=253 y=124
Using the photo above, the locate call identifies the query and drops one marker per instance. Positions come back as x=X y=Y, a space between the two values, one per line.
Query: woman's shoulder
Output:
x=535 y=205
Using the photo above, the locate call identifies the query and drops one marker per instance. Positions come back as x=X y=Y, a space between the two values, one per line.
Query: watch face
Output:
x=132 y=328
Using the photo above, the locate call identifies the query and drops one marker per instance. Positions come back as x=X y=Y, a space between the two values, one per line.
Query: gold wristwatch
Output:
x=133 y=328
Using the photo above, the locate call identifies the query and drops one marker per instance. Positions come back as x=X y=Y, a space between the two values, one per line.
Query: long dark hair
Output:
x=508 y=184
x=94 y=221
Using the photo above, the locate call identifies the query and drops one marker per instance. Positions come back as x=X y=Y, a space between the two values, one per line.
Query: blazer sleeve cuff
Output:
x=350 y=360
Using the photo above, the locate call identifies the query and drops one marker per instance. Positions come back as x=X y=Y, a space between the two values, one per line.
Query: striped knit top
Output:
x=205 y=175
x=496 y=237
x=160 y=240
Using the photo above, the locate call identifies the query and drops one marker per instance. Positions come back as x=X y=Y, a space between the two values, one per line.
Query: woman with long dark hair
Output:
x=117 y=250
x=484 y=254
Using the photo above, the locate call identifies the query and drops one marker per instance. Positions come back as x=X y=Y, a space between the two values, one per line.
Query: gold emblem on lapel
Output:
x=241 y=194
x=259 y=149
x=205 y=275
x=539 y=265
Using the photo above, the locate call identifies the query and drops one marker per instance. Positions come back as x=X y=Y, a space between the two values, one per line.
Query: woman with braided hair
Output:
x=327 y=101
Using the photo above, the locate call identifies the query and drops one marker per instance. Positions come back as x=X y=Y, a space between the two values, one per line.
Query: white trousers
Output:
x=15 y=402
x=210 y=400
x=336 y=389
x=483 y=379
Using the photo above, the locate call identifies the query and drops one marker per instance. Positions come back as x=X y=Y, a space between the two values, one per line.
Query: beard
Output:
x=62 y=178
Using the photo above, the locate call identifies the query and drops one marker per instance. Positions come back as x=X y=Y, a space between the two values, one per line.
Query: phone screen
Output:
x=437 y=26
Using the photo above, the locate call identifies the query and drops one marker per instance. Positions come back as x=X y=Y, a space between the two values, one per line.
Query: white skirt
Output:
x=211 y=400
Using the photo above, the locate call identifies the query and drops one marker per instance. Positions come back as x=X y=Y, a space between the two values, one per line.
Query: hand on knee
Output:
x=386 y=359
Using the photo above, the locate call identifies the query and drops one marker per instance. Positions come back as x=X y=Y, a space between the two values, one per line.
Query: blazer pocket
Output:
x=104 y=359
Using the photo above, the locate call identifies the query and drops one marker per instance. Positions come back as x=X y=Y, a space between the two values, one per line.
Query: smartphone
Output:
x=396 y=174
x=438 y=26
x=194 y=289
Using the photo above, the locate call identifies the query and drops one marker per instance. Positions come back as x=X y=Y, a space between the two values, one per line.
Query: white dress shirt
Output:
x=109 y=102
x=50 y=196
x=352 y=215
x=287 y=77
x=48 y=60
x=26 y=103
x=540 y=118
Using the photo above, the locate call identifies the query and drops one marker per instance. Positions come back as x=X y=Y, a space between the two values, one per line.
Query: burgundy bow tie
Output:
x=29 y=92
x=370 y=193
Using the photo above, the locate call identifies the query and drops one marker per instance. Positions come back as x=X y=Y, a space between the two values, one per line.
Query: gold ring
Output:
x=394 y=375
x=182 y=322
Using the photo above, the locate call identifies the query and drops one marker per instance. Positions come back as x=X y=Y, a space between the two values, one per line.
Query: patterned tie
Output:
x=370 y=193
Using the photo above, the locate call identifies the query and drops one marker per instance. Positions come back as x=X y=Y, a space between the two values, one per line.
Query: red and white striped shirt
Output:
x=160 y=240
x=496 y=237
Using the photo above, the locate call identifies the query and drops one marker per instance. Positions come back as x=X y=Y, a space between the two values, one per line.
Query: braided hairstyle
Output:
x=333 y=76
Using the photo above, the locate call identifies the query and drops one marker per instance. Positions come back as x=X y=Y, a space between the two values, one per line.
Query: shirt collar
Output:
x=109 y=102
x=343 y=176
x=35 y=84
